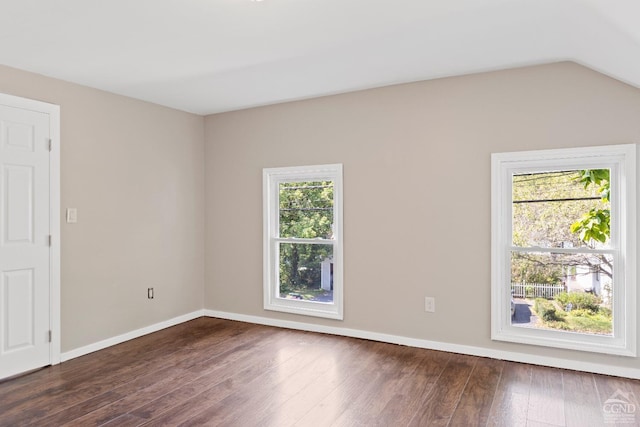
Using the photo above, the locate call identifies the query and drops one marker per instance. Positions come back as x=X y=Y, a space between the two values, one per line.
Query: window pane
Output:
x=561 y=209
x=569 y=292
x=306 y=272
x=306 y=209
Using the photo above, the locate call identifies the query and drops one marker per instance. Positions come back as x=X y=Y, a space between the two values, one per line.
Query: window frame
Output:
x=271 y=178
x=621 y=160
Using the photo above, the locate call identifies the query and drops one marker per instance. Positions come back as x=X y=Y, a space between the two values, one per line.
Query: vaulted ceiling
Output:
x=208 y=56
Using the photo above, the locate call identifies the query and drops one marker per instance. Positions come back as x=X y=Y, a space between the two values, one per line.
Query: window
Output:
x=303 y=240
x=563 y=248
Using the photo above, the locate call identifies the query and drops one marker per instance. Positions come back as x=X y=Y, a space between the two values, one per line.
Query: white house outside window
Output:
x=564 y=248
x=303 y=240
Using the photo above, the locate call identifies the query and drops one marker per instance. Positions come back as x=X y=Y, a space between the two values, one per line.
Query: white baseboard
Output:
x=130 y=335
x=575 y=365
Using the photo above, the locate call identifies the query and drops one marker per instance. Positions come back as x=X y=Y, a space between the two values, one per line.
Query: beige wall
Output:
x=416 y=190
x=135 y=172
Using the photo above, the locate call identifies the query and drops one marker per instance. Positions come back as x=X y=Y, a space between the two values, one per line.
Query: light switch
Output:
x=72 y=215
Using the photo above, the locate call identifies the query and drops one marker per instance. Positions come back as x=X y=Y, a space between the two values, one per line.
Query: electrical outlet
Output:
x=430 y=304
x=150 y=293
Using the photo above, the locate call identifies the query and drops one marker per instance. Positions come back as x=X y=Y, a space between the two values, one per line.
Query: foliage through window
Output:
x=303 y=246
x=563 y=239
x=567 y=209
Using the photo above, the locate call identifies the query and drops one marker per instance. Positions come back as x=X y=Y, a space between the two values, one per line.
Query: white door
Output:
x=24 y=240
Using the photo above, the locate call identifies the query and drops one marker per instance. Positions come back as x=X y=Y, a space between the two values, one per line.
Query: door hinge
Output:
x=49 y=335
x=50 y=239
x=50 y=144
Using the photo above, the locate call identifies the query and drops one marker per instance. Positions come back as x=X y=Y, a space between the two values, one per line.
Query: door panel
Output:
x=18 y=293
x=18 y=136
x=24 y=240
x=18 y=193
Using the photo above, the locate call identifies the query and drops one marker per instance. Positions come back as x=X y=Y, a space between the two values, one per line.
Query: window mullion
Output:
x=612 y=251
x=302 y=240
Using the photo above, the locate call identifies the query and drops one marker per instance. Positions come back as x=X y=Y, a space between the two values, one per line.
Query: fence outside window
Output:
x=536 y=290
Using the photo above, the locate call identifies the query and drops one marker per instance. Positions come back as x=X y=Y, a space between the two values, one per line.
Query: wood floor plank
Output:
x=398 y=364
x=511 y=401
x=222 y=372
x=187 y=368
x=621 y=389
x=546 y=399
x=132 y=395
x=477 y=397
x=118 y=372
x=358 y=381
x=155 y=384
x=126 y=420
x=411 y=393
x=200 y=396
x=225 y=373
x=539 y=424
x=76 y=411
x=336 y=364
x=77 y=371
x=440 y=403
x=582 y=403
x=289 y=375
x=337 y=374
x=87 y=366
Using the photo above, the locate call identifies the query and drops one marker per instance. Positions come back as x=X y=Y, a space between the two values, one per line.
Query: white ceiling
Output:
x=208 y=56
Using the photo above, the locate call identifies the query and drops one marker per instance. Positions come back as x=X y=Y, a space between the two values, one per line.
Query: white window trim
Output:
x=621 y=159
x=271 y=178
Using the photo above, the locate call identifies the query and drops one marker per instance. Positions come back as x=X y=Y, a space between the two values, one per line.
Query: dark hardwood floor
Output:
x=219 y=372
